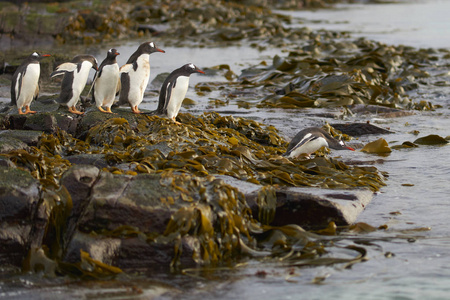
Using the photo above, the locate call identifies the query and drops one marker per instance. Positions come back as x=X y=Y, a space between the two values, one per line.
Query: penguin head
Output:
x=150 y=47
x=112 y=53
x=37 y=56
x=190 y=69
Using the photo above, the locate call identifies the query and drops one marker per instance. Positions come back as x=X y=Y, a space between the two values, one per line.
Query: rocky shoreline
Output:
x=96 y=194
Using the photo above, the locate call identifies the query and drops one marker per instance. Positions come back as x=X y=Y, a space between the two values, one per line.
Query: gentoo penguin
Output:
x=312 y=139
x=174 y=90
x=75 y=73
x=134 y=76
x=25 y=82
x=105 y=82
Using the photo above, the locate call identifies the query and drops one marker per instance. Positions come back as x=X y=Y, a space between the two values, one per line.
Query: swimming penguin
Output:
x=76 y=73
x=174 y=90
x=134 y=76
x=312 y=139
x=25 y=83
x=105 y=82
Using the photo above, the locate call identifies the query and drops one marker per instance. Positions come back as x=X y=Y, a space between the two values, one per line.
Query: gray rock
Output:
x=8 y=144
x=19 y=198
x=29 y=137
x=311 y=208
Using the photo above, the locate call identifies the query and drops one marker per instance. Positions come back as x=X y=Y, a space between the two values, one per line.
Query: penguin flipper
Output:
x=36 y=92
x=126 y=68
x=63 y=68
x=15 y=88
x=118 y=87
x=13 y=95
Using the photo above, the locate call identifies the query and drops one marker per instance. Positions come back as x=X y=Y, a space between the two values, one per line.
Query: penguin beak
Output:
x=350 y=148
x=117 y=53
x=160 y=50
x=199 y=71
x=45 y=55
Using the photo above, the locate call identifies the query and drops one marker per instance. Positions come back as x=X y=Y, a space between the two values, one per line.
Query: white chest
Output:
x=177 y=96
x=309 y=147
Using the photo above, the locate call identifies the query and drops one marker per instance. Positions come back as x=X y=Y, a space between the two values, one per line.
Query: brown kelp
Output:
x=156 y=167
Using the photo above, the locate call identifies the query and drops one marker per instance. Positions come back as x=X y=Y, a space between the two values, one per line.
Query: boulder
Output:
x=19 y=199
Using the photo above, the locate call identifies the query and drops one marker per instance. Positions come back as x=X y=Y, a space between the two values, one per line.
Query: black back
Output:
x=66 y=88
x=124 y=88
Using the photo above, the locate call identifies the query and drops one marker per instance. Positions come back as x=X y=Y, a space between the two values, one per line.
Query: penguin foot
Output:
x=74 y=110
x=175 y=121
x=108 y=110
x=135 y=110
x=28 y=111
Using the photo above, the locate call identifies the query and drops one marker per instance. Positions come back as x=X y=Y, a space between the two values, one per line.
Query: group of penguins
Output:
x=129 y=81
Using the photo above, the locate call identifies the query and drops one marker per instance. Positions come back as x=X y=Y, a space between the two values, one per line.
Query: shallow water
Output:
x=417 y=23
x=407 y=261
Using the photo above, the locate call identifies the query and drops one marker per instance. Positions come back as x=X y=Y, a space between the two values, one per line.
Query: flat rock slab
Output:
x=359 y=129
x=310 y=208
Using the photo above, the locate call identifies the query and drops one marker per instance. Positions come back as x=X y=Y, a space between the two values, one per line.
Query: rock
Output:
x=8 y=144
x=78 y=181
x=314 y=208
x=48 y=119
x=306 y=207
x=359 y=129
x=94 y=117
x=29 y=137
x=19 y=198
x=137 y=201
x=97 y=160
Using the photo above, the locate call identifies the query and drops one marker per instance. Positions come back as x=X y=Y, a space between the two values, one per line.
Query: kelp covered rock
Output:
x=161 y=211
x=156 y=198
x=320 y=76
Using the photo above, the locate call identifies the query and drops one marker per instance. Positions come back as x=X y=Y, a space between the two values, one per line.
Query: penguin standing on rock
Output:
x=76 y=73
x=106 y=81
x=25 y=83
x=174 y=90
x=134 y=76
x=309 y=140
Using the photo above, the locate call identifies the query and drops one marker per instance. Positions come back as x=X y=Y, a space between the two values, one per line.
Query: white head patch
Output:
x=152 y=45
x=191 y=66
x=110 y=50
x=35 y=54
x=341 y=143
